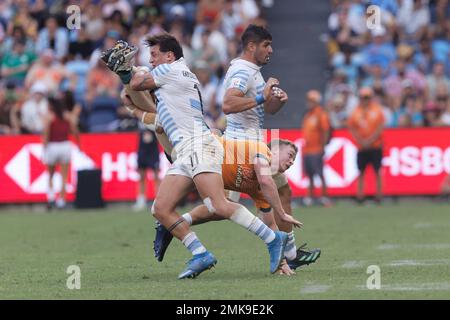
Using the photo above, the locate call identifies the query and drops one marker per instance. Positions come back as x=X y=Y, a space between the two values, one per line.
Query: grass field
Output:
x=409 y=241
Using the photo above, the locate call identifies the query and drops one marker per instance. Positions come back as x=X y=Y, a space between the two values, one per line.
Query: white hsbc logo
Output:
x=339 y=165
x=412 y=161
x=28 y=172
x=340 y=168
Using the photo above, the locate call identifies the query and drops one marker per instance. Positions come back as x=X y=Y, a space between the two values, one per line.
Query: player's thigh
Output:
x=173 y=189
x=210 y=185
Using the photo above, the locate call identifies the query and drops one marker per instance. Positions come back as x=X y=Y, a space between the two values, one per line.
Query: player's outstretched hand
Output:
x=290 y=219
x=285 y=269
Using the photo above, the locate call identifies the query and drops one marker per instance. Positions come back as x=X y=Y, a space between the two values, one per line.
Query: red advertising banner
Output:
x=415 y=162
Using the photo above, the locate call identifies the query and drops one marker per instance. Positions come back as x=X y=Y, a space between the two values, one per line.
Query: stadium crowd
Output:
x=41 y=57
x=405 y=59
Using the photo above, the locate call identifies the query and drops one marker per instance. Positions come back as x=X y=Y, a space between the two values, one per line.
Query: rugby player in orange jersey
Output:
x=248 y=167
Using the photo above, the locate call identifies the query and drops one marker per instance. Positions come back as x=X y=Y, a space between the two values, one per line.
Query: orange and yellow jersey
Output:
x=238 y=169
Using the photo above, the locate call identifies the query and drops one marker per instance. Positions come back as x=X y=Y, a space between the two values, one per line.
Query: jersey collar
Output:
x=247 y=63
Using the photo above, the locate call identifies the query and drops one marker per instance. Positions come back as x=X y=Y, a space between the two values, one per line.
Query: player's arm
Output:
x=269 y=189
x=142 y=80
x=235 y=101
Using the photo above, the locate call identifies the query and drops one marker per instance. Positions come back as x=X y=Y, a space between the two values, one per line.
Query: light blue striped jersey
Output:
x=245 y=76
x=178 y=102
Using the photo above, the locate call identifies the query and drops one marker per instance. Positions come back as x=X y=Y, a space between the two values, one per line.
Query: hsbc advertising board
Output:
x=415 y=162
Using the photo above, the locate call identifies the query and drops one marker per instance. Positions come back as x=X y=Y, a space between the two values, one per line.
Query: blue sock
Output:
x=192 y=243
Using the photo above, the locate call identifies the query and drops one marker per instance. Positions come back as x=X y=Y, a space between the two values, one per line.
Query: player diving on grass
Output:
x=199 y=155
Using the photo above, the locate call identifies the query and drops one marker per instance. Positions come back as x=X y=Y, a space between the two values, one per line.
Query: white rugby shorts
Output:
x=57 y=152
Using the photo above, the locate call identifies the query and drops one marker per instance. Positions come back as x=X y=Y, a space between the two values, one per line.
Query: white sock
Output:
x=60 y=203
x=141 y=198
x=188 y=218
x=291 y=249
x=192 y=243
x=50 y=195
x=245 y=218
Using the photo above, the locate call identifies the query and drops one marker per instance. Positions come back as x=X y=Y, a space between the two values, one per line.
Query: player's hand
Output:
x=284 y=269
x=268 y=87
x=279 y=94
x=290 y=219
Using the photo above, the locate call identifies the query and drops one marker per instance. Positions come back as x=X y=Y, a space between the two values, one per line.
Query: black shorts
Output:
x=369 y=156
x=313 y=164
x=147 y=160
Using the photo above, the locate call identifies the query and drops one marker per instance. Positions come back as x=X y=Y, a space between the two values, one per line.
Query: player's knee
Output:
x=209 y=205
x=157 y=210
x=223 y=208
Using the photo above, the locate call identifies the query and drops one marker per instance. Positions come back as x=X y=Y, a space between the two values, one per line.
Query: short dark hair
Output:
x=167 y=43
x=256 y=34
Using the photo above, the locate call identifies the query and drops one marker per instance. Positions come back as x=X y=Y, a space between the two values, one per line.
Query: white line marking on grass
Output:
x=426 y=225
x=354 y=264
x=318 y=288
x=422 y=225
x=388 y=246
x=413 y=263
x=437 y=246
x=433 y=246
x=436 y=286
x=417 y=287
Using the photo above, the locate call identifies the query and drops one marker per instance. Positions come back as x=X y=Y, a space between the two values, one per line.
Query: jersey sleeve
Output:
x=162 y=74
x=261 y=151
x=240 y=80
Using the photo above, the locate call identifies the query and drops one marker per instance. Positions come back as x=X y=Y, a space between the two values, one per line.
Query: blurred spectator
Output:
x=53 y=37
x=82 y=47
x=349 y=63
x=337 y=112
x=366 y=125
x=23 y=19
x=316 y=134
x=58 y=124
x=216 y=39
x=101 y=82
x=445 y=117
x=18 y=35
x=410 y=114
x=379 y=51
x=231 y=19
x=432 y=115
x=147 y=158
x=9 y=123
x=206 y=52
x=16 y=63
x=110 y=40
x=35 y=109
x=208 y=90
x=111 y=6
x=412 y=19
x=435 y=80
x=95 y=25
x=51 y=72
x=401 y=79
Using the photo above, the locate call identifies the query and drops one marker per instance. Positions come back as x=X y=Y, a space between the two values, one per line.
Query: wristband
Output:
x=260 y=99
